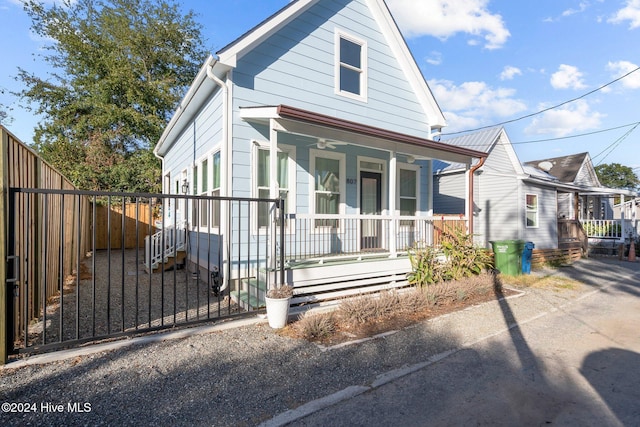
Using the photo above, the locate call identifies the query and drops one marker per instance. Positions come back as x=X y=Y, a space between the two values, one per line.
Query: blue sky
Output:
x=486 y=61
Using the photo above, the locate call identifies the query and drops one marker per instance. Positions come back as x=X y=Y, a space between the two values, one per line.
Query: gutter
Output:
x=472 y=172
x=225 y=159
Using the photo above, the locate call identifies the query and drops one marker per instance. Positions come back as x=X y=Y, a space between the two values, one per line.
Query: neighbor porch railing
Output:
x=615 y=229
x=325 y=237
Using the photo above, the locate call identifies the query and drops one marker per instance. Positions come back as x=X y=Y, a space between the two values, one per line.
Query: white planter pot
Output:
x=277 y=312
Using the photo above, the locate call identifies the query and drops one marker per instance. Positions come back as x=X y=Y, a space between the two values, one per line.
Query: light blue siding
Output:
x=296 y=67
x=198 y=137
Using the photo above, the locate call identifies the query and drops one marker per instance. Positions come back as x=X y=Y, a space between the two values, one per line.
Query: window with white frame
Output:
x=205 y=213
x=328 y=186
x=285 y=179
x=215 y=190
x=532 y=210
x=351 y=66
x=408 y=192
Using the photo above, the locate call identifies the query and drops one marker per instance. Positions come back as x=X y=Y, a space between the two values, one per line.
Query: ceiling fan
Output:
x=326 y=143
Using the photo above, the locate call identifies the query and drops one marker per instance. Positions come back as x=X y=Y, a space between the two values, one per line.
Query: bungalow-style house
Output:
x=322 y=105
x=590 y=203
x=542 y=201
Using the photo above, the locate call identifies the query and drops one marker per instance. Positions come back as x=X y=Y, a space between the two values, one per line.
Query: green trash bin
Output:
x=508 y=256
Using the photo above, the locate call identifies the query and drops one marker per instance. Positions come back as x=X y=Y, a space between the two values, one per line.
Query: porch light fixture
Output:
x=185 y=186
x=411 y=159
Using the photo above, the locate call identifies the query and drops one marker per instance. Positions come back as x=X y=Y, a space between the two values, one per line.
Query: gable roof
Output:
x=565 y=168
x=484 y=141
x=229 y=55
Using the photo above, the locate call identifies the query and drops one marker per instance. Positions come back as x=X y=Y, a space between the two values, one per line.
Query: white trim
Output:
x=364 y=74
x=257 y=145
x=537 y=210
x=384 y=203
x=341 y=157
x=402 y=54
x=415 y=168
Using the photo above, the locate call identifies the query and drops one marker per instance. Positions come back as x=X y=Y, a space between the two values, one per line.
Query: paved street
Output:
x=575 y=363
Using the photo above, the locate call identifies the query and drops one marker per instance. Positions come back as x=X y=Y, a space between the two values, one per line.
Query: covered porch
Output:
x=352 y=193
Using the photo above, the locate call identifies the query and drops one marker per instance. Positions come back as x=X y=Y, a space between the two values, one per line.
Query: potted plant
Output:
x=277 y=300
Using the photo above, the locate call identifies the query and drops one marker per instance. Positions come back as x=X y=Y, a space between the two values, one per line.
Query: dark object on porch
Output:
x=527 y=254
x=216 y=280
x=508 y=256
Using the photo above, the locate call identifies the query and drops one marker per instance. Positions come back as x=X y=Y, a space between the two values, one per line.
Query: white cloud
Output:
x=567 y=77
x=473 y=103
x=574 y=117
x=631 y=12
x=620 y=68
x=510 y=72
x=583 y=6
x=435 y=58
x=444 y=18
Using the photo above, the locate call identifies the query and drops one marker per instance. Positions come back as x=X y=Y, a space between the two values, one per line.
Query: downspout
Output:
x=472 y=172
x=224 y=169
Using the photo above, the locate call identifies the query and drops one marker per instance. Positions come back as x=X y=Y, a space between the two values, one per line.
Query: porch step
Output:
x=169 y=262
x=251 y=295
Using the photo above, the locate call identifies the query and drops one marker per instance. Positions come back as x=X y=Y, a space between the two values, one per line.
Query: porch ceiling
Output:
x=303 y=122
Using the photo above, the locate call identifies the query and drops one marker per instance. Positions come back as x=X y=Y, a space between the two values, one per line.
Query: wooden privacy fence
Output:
x=25 y=236
x=128 y=223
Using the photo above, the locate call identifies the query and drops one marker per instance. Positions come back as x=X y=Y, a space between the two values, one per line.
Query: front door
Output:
x=370 y=204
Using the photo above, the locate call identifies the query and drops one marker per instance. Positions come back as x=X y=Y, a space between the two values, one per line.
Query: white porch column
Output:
x=393 y=188
x=273 y=161
x=273 y=187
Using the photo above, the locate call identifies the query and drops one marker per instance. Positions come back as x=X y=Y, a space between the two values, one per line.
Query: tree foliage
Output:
x=119 y=69
x=615 y=175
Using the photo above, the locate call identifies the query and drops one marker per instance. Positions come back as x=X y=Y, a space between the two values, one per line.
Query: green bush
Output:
x=457 y=257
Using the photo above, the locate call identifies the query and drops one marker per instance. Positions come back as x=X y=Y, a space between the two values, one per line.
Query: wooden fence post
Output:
x=4 y=179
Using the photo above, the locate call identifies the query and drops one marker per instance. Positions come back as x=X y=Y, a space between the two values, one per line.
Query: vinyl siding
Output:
x=545 y=236
x=199 y=137
x=449 y=193
x=499 y=209
x=296 y=67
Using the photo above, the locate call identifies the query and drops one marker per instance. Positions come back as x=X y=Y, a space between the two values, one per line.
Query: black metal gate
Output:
x=85 y=266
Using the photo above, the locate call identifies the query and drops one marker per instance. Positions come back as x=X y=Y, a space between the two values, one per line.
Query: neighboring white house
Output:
x=321 y=104
x=538 y=201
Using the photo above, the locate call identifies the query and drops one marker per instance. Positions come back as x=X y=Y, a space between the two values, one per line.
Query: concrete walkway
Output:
x=573 y=362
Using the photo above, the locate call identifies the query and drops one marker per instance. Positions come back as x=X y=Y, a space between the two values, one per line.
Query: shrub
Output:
x=317 y=326
x=457 y=258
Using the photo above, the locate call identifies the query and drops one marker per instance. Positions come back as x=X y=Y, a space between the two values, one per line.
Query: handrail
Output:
x=173 y=238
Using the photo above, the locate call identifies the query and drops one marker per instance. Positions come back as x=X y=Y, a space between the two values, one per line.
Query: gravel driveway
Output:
x=246 y=375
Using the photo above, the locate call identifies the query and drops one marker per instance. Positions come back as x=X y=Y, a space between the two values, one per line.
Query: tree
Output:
x=615 y=175
x=120 y=68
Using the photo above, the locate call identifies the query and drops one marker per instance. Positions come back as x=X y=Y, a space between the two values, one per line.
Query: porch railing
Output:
x=603 y=228
x=323 y=237
x=164 y=243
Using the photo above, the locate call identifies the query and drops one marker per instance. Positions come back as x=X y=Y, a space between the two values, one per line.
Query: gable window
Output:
x=408 y=193
x=351 y=66
x=328 y=186
x=286 y=167
x=532 y=210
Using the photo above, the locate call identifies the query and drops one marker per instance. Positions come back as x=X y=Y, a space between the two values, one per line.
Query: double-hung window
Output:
x=328 y=190
x=215 y=190
x=285 y=169
x=351 y=66
x=205 y=212
x=408 y=193
x=532 y=210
